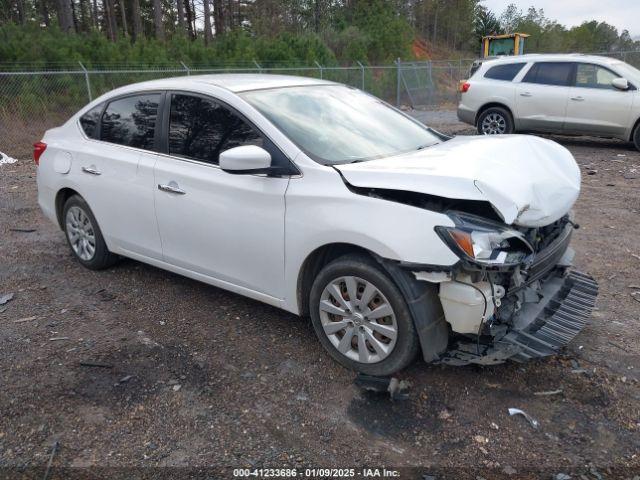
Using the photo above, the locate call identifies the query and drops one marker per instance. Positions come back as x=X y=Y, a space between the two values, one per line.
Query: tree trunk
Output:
x=218 y=17
x=94 y=14
x=109 y=18
x=157 y=20
x=193 y=18
x=44 y=11
x=207 y=21
x=137 y=20
x=123 y=13
x=181 y=26
x=65 y=17
x=21 y=16
x=190 y=20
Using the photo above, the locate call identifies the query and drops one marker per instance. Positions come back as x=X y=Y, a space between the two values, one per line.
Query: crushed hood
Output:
x=529 y=181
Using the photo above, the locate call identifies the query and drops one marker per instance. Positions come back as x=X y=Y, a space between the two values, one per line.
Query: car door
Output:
x=542 y=95
x=595 y=106
x=115 y=169
x=226 y=226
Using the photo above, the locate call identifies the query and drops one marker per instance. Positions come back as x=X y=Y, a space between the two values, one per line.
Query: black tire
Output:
x=636 y=136
x=406 y=343
x=102 y=258
x=502 y=126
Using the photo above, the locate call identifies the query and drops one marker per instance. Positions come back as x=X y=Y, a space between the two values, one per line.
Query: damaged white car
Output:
x=324 y=201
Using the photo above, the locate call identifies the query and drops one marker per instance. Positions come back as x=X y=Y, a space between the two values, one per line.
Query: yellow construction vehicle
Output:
x=507 y=44
x=498 y=45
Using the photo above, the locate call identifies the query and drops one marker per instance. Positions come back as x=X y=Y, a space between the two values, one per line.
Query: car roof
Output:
x=554 y=57
x=235 y=82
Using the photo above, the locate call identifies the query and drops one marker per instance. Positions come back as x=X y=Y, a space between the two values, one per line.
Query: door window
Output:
x=89 y=122
x=504 y=72
x=201 y=129
x=131 y=121
x=550 y=73
x=589 y=75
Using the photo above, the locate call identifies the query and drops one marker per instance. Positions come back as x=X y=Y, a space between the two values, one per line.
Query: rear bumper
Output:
x=466 y=115
x=539 y=329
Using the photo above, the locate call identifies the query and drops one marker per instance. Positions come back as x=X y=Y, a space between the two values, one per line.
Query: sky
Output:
x=622 y=14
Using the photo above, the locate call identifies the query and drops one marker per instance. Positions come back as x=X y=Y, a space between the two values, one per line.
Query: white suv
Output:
x=568 y=94
x=322 y=200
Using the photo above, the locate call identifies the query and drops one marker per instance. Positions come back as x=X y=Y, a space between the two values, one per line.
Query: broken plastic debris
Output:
x=549 y=392
x=396 y=388
x=4 y=158
x=5 y=298
x=516 y=411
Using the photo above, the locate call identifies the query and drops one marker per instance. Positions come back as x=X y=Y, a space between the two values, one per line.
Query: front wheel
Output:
x=361 y=318
x=495 y=121
x=636 y=137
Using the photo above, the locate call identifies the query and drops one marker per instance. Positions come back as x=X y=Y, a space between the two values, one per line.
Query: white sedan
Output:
x=325 y=201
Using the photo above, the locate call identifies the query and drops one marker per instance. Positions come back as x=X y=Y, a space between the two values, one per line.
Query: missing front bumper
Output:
x=541 y=329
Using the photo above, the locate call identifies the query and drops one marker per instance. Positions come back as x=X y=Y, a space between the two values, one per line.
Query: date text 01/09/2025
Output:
x=316 y=473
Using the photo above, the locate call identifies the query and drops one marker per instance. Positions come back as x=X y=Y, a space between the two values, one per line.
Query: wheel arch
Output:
x=61 y=197
x=486 y=106
x=314 y=262
x=633 y=130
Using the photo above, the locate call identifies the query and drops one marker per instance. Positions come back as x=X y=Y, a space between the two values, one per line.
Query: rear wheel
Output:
x=636 y=136
x=84 y=235
x=495 y=121
x=361 y=318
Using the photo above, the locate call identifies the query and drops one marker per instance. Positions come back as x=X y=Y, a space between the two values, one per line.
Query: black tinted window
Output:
x=550 y=73
x=131 y=121
x=504 y=72
x=201 y=129
x=89 y=121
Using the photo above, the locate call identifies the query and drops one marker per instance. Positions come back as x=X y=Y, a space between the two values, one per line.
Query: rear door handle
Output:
x=91 y=170
x=577 y=99
x=525 y=94
x=171 y=187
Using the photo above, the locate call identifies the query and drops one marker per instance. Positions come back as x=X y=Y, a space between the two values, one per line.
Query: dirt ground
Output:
x=194 y=377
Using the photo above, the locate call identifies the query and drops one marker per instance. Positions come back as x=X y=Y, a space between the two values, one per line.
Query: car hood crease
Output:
x=529 y=181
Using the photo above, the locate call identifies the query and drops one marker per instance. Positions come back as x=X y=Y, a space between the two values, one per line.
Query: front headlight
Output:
x=484 y=242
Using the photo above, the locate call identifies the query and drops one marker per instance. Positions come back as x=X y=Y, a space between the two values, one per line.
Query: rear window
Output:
x=550 y=73
x=89 y=121
x=131 y=121
x=504 y=72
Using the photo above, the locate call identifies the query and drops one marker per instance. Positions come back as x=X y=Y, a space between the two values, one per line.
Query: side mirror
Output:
x=620 y=83
x=247 y=159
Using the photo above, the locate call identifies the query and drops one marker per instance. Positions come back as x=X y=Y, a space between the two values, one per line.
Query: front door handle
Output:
x=91 y=170
x=577 y=99
x=525 y=94
x=171 y=187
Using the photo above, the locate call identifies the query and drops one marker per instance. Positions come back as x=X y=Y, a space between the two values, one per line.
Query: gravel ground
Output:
x=197 y=377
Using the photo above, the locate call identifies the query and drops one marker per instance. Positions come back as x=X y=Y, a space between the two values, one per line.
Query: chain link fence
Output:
x=34 y=101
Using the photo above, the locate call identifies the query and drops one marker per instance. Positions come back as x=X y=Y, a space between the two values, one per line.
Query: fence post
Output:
x=398 y=74
x=257 y=65
x=86 y=79
x=186 y=68
x=362 y=70
x=319 y=67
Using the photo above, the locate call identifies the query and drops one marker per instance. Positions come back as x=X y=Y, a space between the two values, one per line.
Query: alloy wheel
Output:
x=80 y=233
x=494 y=124
x=358 y=319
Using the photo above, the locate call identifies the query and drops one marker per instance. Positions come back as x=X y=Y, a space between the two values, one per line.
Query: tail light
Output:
x=464 y=87
x=38 y=150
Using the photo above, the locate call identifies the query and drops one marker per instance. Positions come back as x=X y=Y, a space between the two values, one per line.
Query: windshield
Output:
x=335 y=124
